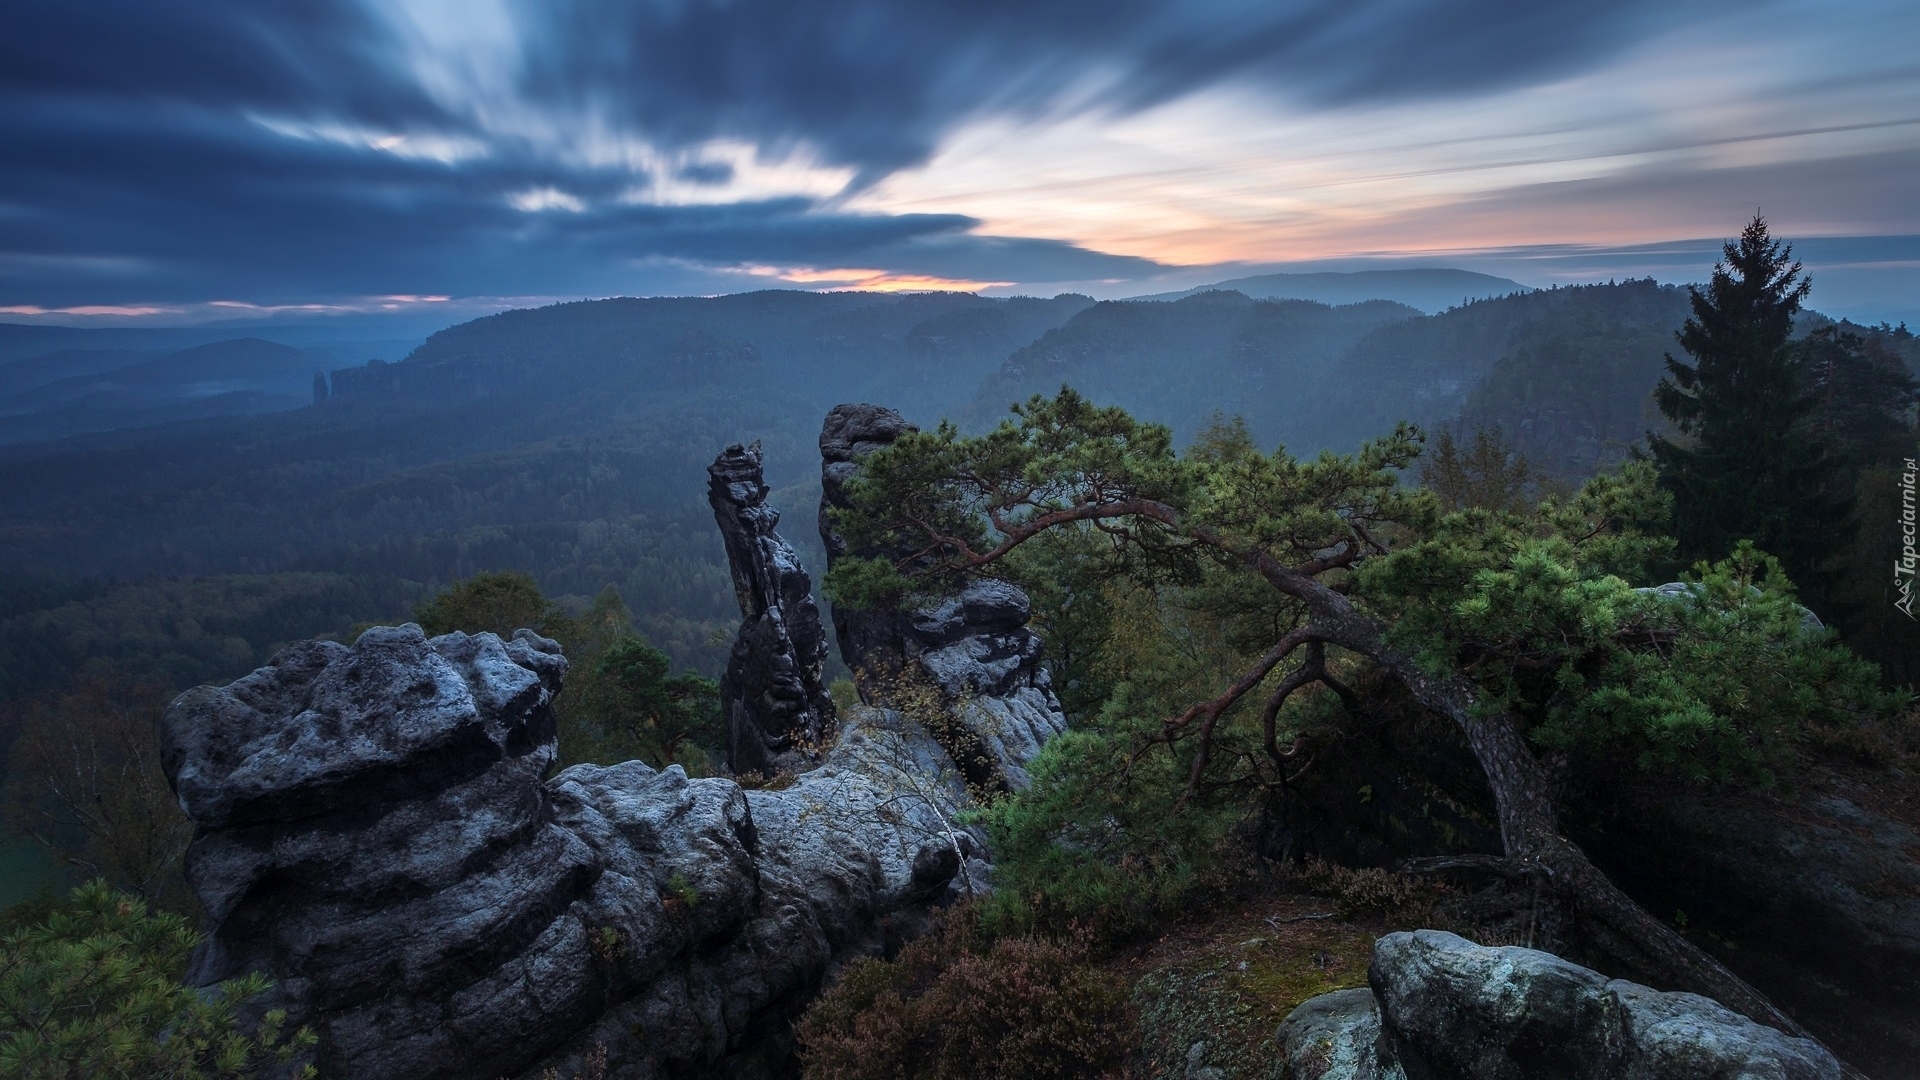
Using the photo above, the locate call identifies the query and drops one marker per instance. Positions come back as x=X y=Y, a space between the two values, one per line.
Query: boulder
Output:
x=776 y=709
x=372 y=831
x=974 y=648
x=1336 y=1037
x=1686 y=592
x=1447 y=1009
x=1453 y=1009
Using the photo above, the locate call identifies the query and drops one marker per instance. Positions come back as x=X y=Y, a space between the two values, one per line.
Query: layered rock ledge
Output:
x=373 y=832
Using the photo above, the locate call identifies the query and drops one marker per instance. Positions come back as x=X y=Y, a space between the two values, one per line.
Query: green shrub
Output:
x=951 y=1007
x=496 y=602
x=625 y=704
x=92 y=991
x=1100 y=841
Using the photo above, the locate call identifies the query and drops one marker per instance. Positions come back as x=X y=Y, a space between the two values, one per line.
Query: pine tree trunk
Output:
x=1529 y=819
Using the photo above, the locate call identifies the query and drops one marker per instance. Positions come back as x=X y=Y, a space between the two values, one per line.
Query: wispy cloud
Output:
x=854 y=280
x=90 y=310
x=157 y=156
x=418 y=146
x=535 y=200
x=1737 y=108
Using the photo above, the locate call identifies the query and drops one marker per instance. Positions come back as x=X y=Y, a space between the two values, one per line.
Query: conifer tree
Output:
x=1750 y=466
x=1864 y=397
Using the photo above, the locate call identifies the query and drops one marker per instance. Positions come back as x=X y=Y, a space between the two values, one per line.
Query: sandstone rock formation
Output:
x=776 y=709
x=871 y=642
x=976 y=647
x=1444 y=1008
x=373 y=833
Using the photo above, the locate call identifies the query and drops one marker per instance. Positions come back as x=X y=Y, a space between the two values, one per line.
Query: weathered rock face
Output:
x=1444 y=1008
x=870 y=641
x=976 y=647
x=777 y=710
x=373 y=833
x=1337 y=1036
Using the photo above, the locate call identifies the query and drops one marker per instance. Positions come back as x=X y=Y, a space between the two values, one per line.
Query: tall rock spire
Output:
x=777 y=711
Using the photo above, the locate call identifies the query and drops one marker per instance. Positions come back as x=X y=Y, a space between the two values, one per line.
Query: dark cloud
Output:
x=219 y=54
x=186 y=210
x=876 y=82
x=138 y=160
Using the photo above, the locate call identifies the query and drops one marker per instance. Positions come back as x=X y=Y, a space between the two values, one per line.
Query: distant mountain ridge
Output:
x=1267 y=361
x=114 y=389
x=352 y=339
x=60 y=381
x=1431 y=290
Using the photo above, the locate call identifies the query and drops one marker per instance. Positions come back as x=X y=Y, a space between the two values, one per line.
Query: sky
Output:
x=436 y=159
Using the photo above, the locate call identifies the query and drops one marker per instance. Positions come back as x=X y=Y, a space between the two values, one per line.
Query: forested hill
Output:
x=1431 y=289
x=222 y=378
x=571 y=441
x=1566 y=372
x=921 y=351
x=1180 y=362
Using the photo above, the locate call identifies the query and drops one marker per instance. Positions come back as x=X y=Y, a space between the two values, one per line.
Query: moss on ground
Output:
x=1228 y=985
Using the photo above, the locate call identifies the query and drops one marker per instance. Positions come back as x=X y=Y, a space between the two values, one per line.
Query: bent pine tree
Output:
x=1521 y=630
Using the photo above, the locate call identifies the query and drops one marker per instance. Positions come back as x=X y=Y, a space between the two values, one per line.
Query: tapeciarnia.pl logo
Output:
x=1903 y=567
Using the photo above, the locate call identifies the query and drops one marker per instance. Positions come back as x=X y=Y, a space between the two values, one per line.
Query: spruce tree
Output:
x=1864 y=397
x=1751 y=466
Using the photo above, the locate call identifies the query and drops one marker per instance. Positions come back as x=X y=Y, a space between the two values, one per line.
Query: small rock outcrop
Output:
x=372 y=831
x=1443 y=1008
x=776 y=709
x=1337 y=1036
x=975 y=647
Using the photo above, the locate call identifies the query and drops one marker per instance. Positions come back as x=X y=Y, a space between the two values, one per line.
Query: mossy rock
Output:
x=1231 y=992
